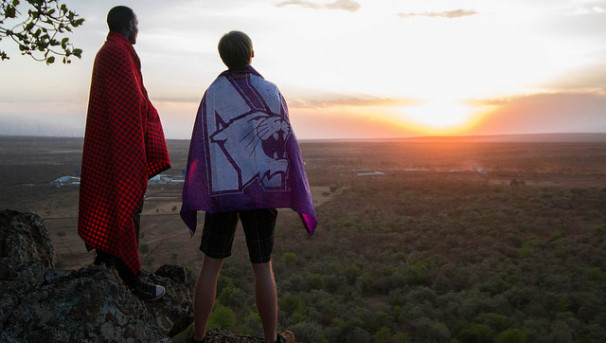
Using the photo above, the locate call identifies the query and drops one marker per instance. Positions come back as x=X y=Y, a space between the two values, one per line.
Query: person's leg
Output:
x=205 y=293
x=259 y=228
x=104 y=258
x=137 y=220
x=266 y=297
x=144 y=291
x=130 y=279
x=216 y=244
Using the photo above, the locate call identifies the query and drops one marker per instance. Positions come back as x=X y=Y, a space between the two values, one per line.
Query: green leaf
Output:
x=43 y=21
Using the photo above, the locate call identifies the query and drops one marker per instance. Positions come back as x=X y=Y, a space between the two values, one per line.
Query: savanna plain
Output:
x=445 y=240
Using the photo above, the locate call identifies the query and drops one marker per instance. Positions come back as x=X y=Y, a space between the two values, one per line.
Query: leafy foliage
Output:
x=439 y=258
x=222 y=317
x=38 y=28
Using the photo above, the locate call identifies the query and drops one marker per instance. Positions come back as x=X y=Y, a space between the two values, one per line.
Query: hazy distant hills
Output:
x=511 y=138
x=520 y=138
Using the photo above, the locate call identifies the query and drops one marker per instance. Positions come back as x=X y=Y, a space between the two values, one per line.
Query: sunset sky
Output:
x=347 y=68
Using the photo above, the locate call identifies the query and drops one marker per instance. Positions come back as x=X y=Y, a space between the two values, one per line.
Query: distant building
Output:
x=66 y=181
x=162 y=179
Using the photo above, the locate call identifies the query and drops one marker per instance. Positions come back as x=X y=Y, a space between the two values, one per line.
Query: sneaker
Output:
x=286 y=337
x=149 y=292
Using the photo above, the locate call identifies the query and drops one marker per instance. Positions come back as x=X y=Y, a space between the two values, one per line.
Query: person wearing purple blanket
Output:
x=244 y=162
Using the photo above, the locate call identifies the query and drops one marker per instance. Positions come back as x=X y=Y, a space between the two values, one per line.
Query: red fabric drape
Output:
x=124 y=146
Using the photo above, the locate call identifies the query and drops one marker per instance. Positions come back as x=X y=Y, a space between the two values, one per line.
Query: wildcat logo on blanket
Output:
x=247 y=136
x=260 y=137
x=243 y=153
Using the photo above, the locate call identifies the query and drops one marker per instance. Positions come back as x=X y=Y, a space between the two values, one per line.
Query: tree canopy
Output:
x=39 y=27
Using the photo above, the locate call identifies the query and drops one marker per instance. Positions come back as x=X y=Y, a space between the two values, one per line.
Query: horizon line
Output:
x=505 y=137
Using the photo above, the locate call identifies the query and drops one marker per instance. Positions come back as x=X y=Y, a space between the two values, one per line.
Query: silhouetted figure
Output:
x=244 y=162
x=124 y=146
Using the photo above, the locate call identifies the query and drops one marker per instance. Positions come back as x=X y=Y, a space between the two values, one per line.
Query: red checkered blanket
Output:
x=124 y=146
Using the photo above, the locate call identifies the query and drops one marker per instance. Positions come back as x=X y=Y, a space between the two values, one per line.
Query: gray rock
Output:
x=26 y=253
x=41 y=304
x=174 y=312
x=88 y=305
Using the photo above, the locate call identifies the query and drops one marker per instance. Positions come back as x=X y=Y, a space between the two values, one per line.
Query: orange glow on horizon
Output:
x=431 y=118
x=438 y=117
x=438 y=114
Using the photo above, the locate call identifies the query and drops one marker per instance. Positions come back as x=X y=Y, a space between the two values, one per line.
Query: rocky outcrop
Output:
x=39 y=303
x=221 y=336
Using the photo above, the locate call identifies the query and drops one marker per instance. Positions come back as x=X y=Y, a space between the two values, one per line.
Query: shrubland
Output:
x=427 y=256
x=454 y=242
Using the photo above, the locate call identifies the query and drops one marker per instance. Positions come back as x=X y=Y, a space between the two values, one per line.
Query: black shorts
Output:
x=220 y=228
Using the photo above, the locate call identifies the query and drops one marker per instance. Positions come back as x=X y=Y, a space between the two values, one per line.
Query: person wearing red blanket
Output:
x=124 y=146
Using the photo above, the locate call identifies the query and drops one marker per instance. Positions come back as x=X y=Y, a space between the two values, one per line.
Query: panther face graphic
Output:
x=255 y=145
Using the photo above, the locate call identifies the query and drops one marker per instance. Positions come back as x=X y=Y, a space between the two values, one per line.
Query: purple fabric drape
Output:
x=243 y=153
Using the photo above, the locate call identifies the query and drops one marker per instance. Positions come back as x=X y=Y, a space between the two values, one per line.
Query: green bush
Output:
x=383 y=335
x=314 y=281
x=474 y=333
x=292 y=308
x=289 y=258
x=251 y=324
x=232 y=297
x=222 y=317
x=309 y=332
x=512 y=336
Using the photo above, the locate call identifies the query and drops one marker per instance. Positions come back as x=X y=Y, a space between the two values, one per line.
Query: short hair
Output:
x=235 y=49
x=119 y=17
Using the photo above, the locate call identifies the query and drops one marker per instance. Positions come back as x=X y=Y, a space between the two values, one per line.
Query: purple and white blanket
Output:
x=243 y=153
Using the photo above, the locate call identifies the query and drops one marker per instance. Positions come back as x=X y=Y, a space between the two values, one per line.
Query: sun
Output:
x=438 y=115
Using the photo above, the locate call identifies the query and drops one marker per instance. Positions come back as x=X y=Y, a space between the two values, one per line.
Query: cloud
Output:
x=446 y=14
x=177 y=99
x=351 y=101
x=544 y=113
x=346 y=5
x=590 y=76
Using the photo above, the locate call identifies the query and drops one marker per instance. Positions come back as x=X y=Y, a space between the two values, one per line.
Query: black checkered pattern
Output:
x=124 y=146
